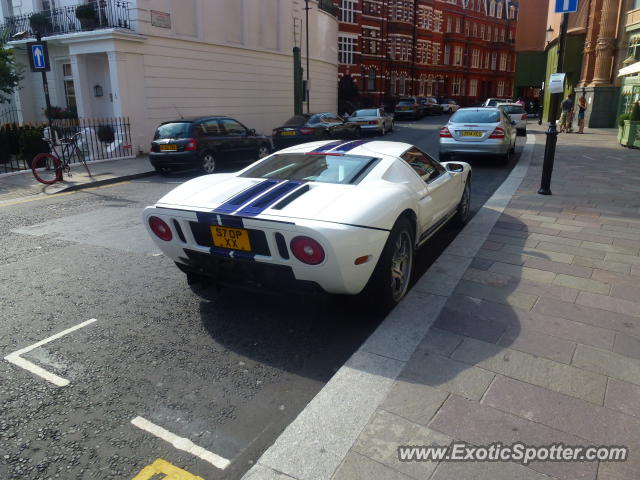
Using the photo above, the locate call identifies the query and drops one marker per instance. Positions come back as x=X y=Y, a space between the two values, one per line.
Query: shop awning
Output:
x=630 y=70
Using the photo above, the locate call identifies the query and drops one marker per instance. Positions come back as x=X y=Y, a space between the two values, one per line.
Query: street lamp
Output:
x=548 y=34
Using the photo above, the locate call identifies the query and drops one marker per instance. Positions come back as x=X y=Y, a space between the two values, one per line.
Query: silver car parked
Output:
x=478 y=131
x=373 y=120
x=518 y=114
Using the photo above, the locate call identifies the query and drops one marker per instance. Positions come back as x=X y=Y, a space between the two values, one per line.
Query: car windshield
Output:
x=406 y=102
x=512 y=108
x=343 y=169
x=296 y=121
x=173 y=130
x=365 y=113
x=476 y=116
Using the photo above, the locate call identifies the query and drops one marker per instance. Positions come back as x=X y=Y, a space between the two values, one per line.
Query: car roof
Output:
x=510 y=105
x=196 y=118
x=355 y=147
x=477 y=109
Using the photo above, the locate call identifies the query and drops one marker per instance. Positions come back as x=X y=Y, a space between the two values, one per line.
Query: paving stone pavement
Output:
x=539 y=341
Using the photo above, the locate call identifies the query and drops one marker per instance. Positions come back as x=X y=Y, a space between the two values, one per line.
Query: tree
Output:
x=10 y=73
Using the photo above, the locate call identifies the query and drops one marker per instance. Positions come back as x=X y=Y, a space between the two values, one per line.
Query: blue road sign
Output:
x=566 y=6
x=39 y=60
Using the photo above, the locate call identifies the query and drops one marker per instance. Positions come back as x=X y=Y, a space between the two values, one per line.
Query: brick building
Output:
x=460 y=49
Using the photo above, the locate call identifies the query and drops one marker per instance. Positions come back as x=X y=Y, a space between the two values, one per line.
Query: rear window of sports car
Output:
x=343 y=169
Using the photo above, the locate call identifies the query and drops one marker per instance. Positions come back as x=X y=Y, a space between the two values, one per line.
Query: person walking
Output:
x=565 y=117
x=582 y=108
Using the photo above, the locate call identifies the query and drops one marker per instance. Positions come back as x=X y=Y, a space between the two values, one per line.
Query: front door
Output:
x=237 y=145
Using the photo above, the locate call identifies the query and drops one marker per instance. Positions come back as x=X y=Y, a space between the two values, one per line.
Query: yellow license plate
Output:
x=168 y=148
x=470 y=134
x=404 y=108
x=287 y=133
x=232 y=238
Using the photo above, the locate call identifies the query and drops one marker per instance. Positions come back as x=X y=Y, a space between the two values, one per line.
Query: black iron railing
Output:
x=58 y=21
x=9 y=116
x=98 y=139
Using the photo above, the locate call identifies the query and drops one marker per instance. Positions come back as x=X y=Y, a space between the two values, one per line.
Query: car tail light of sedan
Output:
x=373 y=122
x=191 y=145
x=155 y=148
x=524 y=116
x=445 y=133
x=306 y=131
x=498 y=133
x=160 y=228
x=307 y=250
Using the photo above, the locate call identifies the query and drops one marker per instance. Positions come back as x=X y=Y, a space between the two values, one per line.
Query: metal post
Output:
x=45 y=86
x=552 y=133
x=306 y=8
x=297 y=82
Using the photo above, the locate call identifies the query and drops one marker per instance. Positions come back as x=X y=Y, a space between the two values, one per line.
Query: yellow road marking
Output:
x=162 y=467
x=57 y=195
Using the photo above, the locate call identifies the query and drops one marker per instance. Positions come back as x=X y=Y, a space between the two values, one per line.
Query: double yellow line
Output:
x=37 y=198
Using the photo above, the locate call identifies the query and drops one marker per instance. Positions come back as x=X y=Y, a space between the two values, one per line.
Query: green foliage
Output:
x=106 y=134
x=10 y=74
x=31 y=143
x=40 y=23
x=85 y=12
x=634 y=116
x=9 y=135
x=55 y=113
x=622 y=118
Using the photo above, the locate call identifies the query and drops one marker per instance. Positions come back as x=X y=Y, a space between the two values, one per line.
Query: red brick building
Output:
x=460 y=49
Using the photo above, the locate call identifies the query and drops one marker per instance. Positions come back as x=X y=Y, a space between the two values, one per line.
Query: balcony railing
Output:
x=58 y=21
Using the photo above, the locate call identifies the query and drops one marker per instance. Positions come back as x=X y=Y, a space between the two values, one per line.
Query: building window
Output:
x=495 y=34
x=430 y=87
x=486 y=60
x=473 y=88
x=447 y=54
x=371 y=80
x=371 y=8
x=435 y=53
x=421 y=90
x=503 y=62
x=69 y=88
x=455 y=90
x=403 y=85
x=457 y=25
x=500 y=89
x=448 y=24
x=457 y=59
x=438 y=21
x=475 y=59
x=370 y=43
x=482 y=32
x=467 y=28
x=494 y=58
x=492 y=9
x=348 y=11
x=475 y=30
x=346 y=50
x=502 y=34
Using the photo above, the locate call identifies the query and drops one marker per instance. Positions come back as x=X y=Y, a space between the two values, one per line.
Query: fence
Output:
x=9 y=116
x=106 y=14
x=98 y=139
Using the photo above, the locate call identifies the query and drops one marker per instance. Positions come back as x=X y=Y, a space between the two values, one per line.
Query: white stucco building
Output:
x=150 y=59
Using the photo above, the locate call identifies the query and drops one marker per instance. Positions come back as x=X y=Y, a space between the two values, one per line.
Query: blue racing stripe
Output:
x=345 y=147
x=261 y=204
x=328 y=146
x=241 y=255
x=231 y=221
x=220 y=252
x=207 y=217
x=236 y=202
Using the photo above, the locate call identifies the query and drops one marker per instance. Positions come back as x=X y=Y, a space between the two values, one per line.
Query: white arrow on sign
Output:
x=37 y=53
x=566 y=4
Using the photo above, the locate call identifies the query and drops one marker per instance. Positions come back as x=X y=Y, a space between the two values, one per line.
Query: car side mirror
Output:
x=251 y=131
x=455 y=167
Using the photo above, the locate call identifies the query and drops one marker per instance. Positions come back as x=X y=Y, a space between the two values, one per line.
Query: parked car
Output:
x=315 y=126
x=518 y=115
x=333 y=216
x=373 y=120
x=493 y=102
x=431 y=105
x=449 y=106
x=410 y=107
x=478 y=131
x=205 y=142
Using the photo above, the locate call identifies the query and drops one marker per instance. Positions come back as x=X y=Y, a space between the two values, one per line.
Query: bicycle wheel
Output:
x=46 y=168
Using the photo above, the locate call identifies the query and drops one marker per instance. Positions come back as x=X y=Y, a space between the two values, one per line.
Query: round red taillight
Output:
x=307 y=250
x=160 y=228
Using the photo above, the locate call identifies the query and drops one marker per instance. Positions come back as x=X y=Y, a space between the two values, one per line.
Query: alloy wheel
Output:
x=263 y=151
x=401 y=263
x=208 y=163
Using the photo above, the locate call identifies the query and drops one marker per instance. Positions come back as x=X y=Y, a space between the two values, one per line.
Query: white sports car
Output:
x=343 y=217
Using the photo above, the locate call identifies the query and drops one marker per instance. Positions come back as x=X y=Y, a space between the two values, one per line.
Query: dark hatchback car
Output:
x=205 y=142
x=431 y=105
x=310 y=127
x=410 y=107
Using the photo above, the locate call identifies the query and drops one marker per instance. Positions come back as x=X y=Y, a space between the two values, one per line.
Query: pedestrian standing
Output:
x=582 y=108
x=565 y=117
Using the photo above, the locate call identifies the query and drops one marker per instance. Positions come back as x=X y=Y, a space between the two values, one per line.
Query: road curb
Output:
x=107 y=181
x=314 y=445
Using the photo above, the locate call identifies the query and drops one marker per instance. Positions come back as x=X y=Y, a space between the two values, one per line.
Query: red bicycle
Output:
x=48 y=168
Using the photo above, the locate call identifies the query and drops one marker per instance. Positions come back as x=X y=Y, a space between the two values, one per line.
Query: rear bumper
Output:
x=174 y=159
x=488 y=147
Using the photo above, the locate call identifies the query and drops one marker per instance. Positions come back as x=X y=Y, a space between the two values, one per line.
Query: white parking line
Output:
x=35 y=369
x=181 y=443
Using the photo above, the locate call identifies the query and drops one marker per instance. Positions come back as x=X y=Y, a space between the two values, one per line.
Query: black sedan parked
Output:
x=205 y=142
x=310 y=127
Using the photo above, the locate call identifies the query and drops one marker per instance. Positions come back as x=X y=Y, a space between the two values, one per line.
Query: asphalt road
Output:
x=226 y=370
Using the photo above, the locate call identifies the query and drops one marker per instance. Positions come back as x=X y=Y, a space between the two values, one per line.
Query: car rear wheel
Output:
x=263 y=151
x=208 y=162
x=390 y=280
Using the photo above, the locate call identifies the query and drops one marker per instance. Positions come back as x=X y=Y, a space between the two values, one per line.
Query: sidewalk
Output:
x=23 y=184
x=526 y=329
